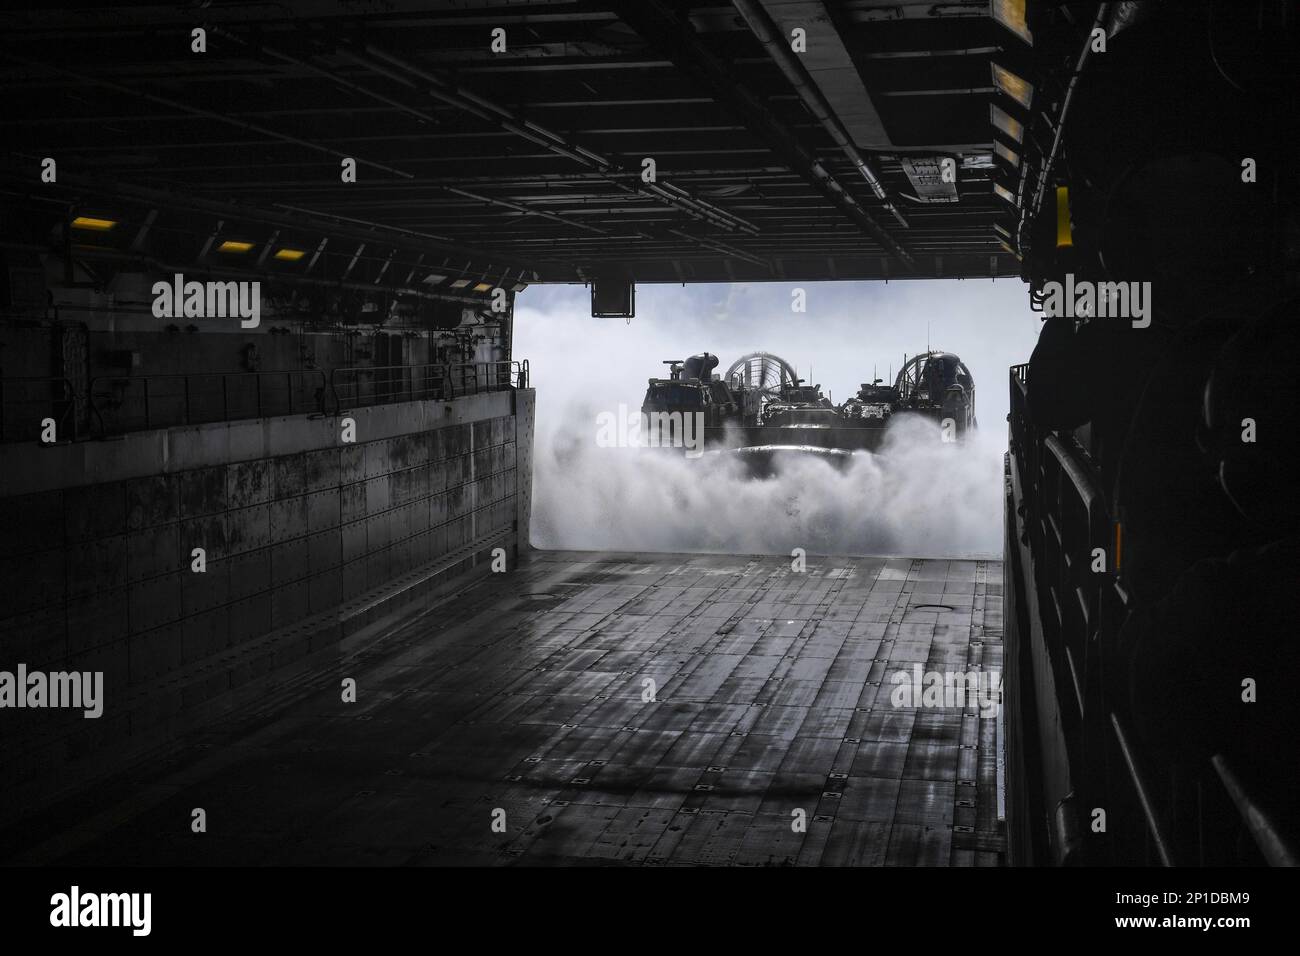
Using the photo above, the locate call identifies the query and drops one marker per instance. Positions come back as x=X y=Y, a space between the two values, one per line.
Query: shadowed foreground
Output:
x=524 y=694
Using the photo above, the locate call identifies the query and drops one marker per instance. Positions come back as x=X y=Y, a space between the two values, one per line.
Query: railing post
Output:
x=70 y=397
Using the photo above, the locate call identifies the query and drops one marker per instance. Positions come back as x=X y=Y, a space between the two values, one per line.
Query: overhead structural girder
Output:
x=824 y=74
x=658 y=24
x=409 y=74
x=393 y=66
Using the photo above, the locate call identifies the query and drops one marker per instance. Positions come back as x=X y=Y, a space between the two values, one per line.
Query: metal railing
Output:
x=361 y=386
x=126 y=403
x=117 y=404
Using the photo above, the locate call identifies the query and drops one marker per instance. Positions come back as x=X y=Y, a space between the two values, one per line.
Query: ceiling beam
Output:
x=659 y=25
x=836 y=89
x=205 y=113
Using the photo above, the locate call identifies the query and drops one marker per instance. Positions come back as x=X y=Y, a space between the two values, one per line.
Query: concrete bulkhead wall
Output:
x=310 y=543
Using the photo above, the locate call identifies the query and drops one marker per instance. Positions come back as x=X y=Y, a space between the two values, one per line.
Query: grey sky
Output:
x=848 y=327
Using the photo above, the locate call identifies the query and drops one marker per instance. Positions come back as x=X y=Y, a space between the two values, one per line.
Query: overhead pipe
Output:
x=722 y=247
x=525 y=210
x=760 y=23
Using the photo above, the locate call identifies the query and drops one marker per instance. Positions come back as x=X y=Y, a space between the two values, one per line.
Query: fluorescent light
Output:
x=1007 y=153
x=1002 y=230
x=1011 y=14
x=1005 y=193
x=460 y=283
x=231 y=245
x=1018 y=88
x=289 y=255
x=483 y=287
x=1007 y=246
x=93 y=224
x=1006 y=124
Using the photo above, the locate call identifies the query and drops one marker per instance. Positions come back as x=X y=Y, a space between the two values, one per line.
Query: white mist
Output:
x=915 y=496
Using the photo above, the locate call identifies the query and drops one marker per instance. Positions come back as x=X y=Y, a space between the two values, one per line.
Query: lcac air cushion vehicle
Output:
x=762 y=410
x=691 y=401
x=936 y=385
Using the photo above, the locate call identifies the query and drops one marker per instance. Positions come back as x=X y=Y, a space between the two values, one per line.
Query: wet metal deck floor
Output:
x=525 y=695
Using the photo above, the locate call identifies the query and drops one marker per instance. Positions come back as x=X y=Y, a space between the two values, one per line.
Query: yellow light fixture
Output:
x=1011 y=14
x=93 y=224
x=483 y=287
x=1064 y=234
x=1016 y=87
x=1005 y=193
x=231 y=245
x=1007 y=153
x=1005 y=123
x=289 y=255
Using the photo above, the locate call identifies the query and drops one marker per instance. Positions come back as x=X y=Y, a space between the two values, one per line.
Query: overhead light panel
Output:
x=1011 y=14
x=1005 y=193
x=232 y=245
x=93 y=224
x=289 y=255
x=1006 y=124
x=928 y=180
x=1007 y=153
x=1002 y=231
x=483 y=287
x=1016 y=87
x=460 y=283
